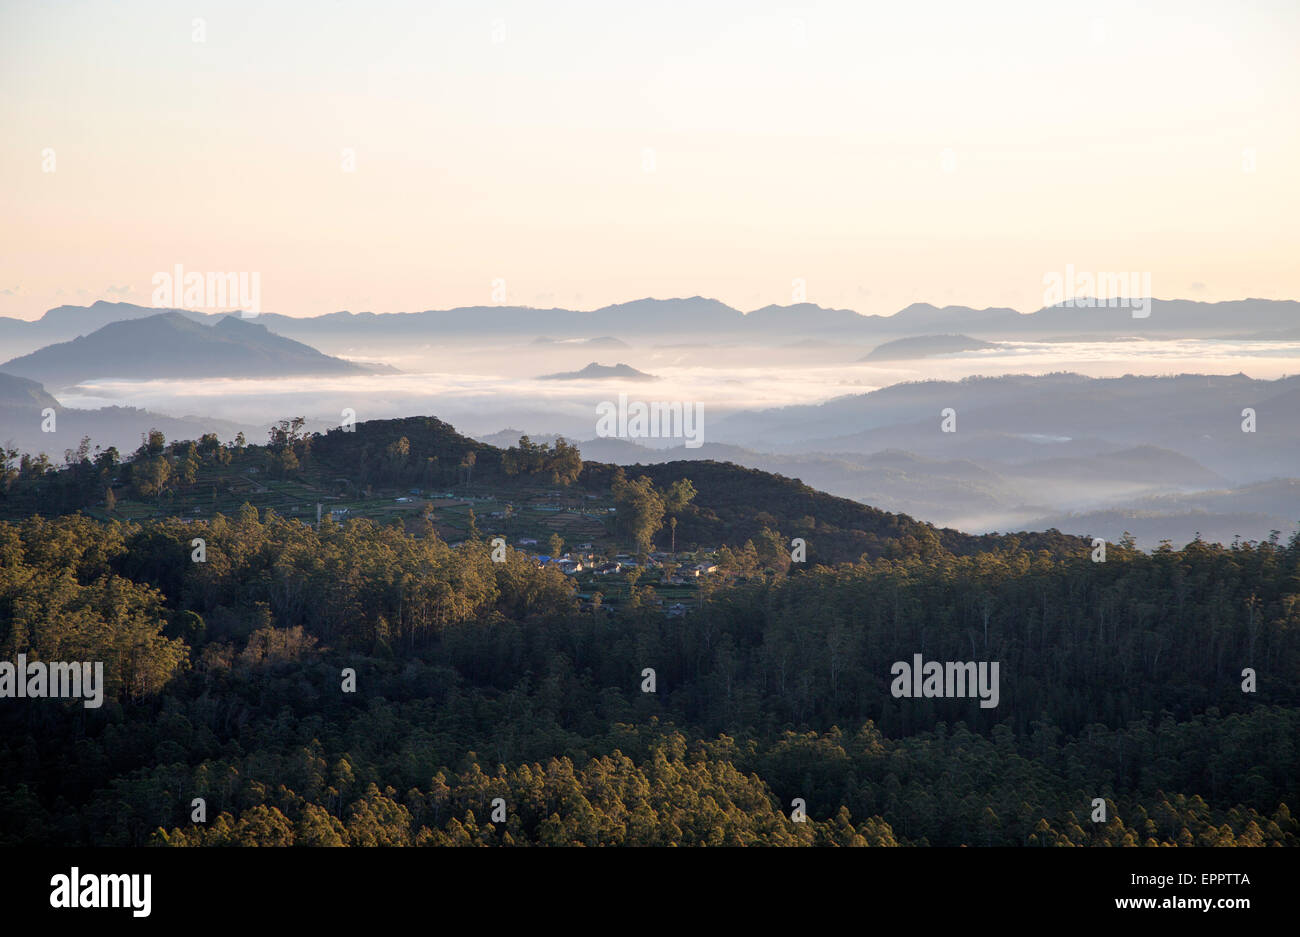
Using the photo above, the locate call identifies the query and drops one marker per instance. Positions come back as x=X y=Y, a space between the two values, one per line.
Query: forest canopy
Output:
x=477 y=680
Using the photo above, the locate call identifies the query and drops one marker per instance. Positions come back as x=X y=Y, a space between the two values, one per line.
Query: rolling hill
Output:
x=171 y=345
x=601 y=372
x=923 y=346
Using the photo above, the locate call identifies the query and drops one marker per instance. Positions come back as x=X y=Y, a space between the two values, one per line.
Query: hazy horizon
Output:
x=87 y=302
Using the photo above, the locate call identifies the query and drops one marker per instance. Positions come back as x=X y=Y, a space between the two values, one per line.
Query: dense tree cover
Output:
x=157 y=469
x=474 y=680
x=663 y=508
x=420 y=451
x=642 y=509
x=558 y=465
x=61 y=599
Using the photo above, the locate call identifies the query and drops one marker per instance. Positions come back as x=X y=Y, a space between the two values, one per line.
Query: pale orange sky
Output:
x=588 y=155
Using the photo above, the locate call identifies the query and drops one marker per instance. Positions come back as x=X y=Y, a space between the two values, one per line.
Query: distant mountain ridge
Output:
x=697 y=317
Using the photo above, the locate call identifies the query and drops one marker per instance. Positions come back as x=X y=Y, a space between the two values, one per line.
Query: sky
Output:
x=398 y=156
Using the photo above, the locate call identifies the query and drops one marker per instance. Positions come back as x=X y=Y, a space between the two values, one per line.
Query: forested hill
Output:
x=362 y=681
x=476 y=680
x=434 y=452
x=732 y=505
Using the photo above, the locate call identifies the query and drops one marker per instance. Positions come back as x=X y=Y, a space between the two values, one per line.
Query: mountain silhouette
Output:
x=601 y=372
x=170 y=345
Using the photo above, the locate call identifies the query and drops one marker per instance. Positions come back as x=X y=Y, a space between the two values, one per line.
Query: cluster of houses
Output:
x=567 y=564
x=411 y=496
x=695 y=571
x=583 y=559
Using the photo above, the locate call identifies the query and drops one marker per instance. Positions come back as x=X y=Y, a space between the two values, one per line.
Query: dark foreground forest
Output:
x=472 y=680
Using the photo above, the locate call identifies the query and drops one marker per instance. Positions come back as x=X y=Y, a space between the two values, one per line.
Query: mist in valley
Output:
x=1022 y=457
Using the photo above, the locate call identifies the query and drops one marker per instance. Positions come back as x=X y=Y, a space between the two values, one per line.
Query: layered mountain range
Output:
x=1158 y=456
x=693 y=317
